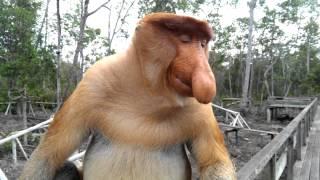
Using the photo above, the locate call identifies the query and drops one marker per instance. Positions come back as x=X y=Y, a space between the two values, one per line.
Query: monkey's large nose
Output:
x=203 y=86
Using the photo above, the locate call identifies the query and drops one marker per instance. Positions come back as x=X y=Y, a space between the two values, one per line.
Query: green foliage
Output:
x=313 y=80
x=21 y=64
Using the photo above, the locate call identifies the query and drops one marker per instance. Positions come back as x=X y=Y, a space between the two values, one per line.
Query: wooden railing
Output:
x=283 y=151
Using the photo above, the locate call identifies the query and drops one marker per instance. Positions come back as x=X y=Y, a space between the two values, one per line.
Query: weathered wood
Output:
x=25 y=131
x=31 y=110
x=8 y=109
x=314 y=171
x=25 y=120
x=2 y=175
x=269 y=115
x=306 y=165
x=290 y=159
x=250 y=130
x=22 y=150
x=273 y=170
x=281 y=164
x=251 y=169
x=14 y=152
x=299 y=138
x=286 y=106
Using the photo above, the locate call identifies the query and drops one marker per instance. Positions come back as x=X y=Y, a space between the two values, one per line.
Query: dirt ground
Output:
x=249 y=143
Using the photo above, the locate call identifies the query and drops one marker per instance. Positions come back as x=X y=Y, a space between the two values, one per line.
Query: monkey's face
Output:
x=179 y=45
x=189 y=72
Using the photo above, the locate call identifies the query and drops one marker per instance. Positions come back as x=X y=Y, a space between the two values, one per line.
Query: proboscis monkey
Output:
x=142 y=106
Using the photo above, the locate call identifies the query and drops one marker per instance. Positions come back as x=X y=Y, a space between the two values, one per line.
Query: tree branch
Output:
x=98 y=8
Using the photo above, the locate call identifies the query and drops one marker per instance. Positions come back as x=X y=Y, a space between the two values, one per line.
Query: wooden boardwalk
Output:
x=309 y=167
x=293 y=154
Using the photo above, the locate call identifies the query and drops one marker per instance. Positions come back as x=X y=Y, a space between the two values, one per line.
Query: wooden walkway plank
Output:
x=311 y=163
x=314 y=172
x=306 y=165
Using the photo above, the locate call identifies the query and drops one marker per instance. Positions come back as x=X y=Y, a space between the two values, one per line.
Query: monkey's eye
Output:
x=203 y=43
x=185 y=38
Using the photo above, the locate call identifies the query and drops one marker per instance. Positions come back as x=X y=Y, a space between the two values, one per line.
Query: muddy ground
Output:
x=249 y=143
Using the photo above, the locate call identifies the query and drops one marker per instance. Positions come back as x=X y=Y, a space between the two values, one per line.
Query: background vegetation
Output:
x=277 y=54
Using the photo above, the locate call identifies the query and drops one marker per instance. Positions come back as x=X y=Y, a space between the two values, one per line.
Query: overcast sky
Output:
x=99 y=19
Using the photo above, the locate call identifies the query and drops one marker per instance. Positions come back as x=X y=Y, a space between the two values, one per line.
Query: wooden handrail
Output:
x=259 y=161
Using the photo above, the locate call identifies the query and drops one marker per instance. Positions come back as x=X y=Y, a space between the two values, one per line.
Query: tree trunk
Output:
x=308 y=53
x=44 y=21
x=59 y=48
x=230 y=82
x=265 y=76
x=272 y=79
x=245 y=101
x=74 y=78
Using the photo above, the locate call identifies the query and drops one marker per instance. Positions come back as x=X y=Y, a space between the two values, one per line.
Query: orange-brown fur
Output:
x=153 y=96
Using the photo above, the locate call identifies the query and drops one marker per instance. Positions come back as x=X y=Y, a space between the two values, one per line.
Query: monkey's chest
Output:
x=105 y=160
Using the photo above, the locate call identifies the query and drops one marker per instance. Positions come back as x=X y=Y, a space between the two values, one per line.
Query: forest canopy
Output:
x=273 y=49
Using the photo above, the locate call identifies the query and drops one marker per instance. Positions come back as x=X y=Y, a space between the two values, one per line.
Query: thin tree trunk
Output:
x=308 y=53
x=251 y=82
x=82 y=63
x=245 y=102
x=265 y=76
x=272 y=79
x=288 y=89
x=229 y=78
x=59 y=48
x=43 y=22
x=74 y=78
x=75 y=65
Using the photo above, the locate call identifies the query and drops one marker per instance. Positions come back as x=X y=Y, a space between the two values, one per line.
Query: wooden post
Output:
x=24 y=119
x=268 y=115
x=43 y=109
x=237 y=137
x=21 y=148
x=304 y=132
x=31 y=109
x=273 y=170
x=290 y=159
x=299 y=139
x=227 y=116
x=269 y=171
x=8 y=109
x=307 y=125
x=14 y=152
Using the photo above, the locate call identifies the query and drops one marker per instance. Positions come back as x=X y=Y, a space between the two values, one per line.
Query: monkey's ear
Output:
x=138 y=27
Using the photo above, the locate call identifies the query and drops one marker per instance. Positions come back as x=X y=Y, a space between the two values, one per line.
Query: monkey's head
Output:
x=174 y=49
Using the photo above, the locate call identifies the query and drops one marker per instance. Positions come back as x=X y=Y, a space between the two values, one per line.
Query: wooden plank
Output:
x=306 y=165
x=250 y=130
x=315 y=169
x=281 y=165
x=268 y=115
x=257 y=163
x=314 y=172
x=287 y=106
x=299 y=142
x=290 y=159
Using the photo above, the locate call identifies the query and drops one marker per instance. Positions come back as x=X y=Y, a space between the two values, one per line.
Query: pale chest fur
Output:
x=105 y=160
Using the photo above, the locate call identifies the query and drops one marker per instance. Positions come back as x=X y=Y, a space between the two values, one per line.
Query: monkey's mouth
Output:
x=182 y=86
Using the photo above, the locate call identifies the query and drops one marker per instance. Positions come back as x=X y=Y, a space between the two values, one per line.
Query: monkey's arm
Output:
x=210 y=152
x=64 y=135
